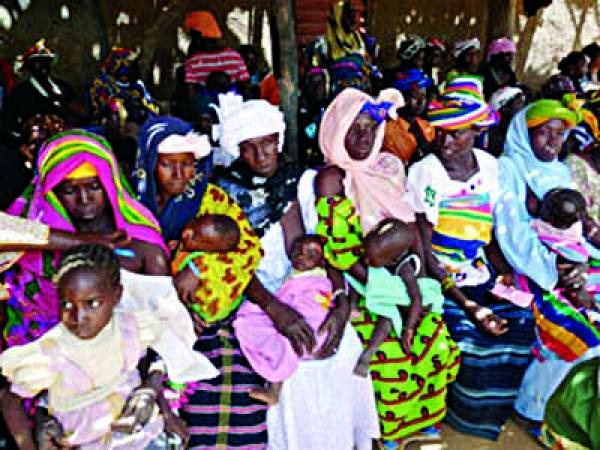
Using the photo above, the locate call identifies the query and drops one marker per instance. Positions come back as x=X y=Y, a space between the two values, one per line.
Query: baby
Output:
x=214 y=266
x=560 y=228
x=309 y=291
x=388 y=251
x=88 y=363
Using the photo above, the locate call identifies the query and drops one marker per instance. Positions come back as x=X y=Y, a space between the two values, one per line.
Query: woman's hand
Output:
x=416 y=313
x=49 y=434
x=292 y=325
x=571 y=276
x=137 y=411
x=186 y=284
x=489 y=322
x=175 y=425
x=334 y=325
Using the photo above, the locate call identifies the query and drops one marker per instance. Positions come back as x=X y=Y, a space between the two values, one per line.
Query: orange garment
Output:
x=203 y=22
x=269 y=90
x=402 y=143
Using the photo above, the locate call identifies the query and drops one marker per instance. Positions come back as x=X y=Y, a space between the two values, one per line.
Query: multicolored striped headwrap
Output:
x=542 y=111
x=69 y=150
x=462 y=105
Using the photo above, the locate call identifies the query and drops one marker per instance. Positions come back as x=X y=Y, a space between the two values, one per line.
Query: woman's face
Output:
x=470 y=59
x=547 y=139
x=416 y=100
x=174 y=172
x=84 y=199
x=261 y=154
x=86 y=303
x=455 y=142
x=361 y=137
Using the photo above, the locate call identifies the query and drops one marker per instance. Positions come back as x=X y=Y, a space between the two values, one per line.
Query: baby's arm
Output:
x=414 y=311
x=380 y=333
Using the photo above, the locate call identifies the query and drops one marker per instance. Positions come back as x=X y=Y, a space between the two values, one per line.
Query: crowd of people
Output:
x=174 y=280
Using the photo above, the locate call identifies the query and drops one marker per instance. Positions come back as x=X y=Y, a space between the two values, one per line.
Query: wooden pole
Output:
x=285 y=37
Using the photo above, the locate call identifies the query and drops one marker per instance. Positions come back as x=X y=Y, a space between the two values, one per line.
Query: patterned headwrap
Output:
x=433 y=42
x=542 y=111
x=405 y=81
x=503 y=96
x=118 y=61
x=501 y=45
x=461 y=105
x=410 y=47
x=37 y=50
x=33 y=303
x=179 y=210
x=462 y=46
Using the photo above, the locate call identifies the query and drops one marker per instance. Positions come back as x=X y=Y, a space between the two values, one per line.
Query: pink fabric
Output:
x=502 y=45
x=569 y=243
x=88 y=425
x=269 y=353
x=376 y=184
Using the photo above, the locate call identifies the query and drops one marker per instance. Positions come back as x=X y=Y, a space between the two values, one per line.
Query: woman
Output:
x=454 y=192
x=322 y=405
x=507 y=101
x=497 y=70
x=575 y=67
x=409 y=136
x=78 y=188
x=467 y=54
x=119 y=79
x=362 y=178
x=411 y=54
x=173 y=172
x=529 y=169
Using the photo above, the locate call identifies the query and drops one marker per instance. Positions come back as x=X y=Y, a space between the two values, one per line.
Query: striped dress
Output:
x=482 y=398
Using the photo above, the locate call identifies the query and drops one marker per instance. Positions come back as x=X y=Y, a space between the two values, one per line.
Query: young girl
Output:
x=88 y=363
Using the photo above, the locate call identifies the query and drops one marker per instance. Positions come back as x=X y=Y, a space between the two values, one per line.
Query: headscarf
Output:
x=410 y=47
x=405 y=81
x=204 y=23
x=462 y=46
x=181 y=209
x=241 y=120
x=545 y=110
x=433 y=42
x=37 y=50
x=461 y=105
x=33 y=295
x=369 y=183
x=501 y=45
x=557 y=86
x=339 y=42
x=540 y=176
x=503 y=96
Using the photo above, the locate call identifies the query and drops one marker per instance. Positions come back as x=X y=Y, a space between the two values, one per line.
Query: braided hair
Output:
x=92 y=257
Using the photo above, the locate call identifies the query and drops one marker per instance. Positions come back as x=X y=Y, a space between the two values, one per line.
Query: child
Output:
x=388 y=250
x=88 y=363
x=309 y=291
x=220 y=264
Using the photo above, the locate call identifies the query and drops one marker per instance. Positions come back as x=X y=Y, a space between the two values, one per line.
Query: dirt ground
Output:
x=513 y=438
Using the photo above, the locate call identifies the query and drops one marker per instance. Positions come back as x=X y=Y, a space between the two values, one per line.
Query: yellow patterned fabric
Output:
x=223 y=276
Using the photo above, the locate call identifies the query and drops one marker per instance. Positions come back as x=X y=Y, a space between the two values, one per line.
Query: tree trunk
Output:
x=288 y=82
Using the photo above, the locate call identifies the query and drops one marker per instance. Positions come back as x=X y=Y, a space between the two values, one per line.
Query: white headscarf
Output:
x=462 y=46
x=241 y=120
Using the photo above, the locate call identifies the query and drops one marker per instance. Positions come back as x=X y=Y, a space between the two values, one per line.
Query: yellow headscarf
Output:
x=340 y=42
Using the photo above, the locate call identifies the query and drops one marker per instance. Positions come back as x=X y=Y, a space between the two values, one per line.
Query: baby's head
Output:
x=386 y=244
x=562 y=208
x=211 y=233
x=307 y=253
x=89 y=287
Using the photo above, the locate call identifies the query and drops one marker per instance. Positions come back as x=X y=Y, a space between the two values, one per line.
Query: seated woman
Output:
x=280 y=203
x=353 y=197
x=529 y=170
x=78 y=189
x=174 y=167
x=454 y=192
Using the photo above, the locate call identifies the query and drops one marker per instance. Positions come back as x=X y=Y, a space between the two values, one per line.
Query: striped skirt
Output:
x=482 y=398
x=410 y=390
x=221 y=414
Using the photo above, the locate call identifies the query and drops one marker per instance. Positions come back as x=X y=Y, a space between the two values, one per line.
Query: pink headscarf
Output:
x=376 y=184
x=502 y=45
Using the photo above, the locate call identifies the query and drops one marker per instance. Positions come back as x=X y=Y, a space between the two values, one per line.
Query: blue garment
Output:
x=179 y=210
x=519 y=169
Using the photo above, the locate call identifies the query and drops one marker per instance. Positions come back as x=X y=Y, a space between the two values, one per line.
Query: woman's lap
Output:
x=221 y=414
x=481 y=399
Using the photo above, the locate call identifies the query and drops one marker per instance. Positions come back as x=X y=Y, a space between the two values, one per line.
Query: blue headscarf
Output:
x=413 y=77
x=540 y=176
x=181 y=209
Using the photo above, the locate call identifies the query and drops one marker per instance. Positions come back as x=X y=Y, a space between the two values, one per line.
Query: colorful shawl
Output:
x=369 y=183
x=107 y=85
x=339 y=42
x=181 y=209
x=33 y=306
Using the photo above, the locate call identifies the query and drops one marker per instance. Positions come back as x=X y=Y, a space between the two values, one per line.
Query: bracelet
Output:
x=337 y=293
x=187 y=259
x=192 y=265
x=448 y=283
